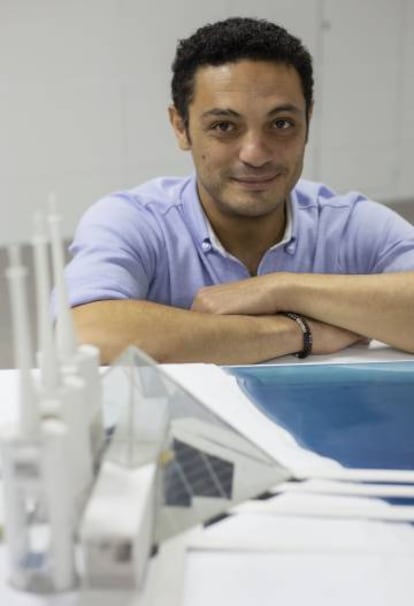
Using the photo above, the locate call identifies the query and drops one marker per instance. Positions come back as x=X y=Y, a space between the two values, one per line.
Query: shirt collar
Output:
x=287 y=235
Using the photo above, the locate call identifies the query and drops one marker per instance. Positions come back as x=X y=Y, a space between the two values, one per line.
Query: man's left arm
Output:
x=377 y=306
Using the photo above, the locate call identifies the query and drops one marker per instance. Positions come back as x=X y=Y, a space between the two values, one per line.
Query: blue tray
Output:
x=361 y=415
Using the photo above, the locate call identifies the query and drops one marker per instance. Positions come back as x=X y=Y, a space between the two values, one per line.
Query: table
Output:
x=268 y=557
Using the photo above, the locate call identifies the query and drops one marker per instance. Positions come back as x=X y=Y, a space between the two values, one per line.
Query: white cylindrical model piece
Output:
x=15 y=465
x=65 y=332
x=85 y=365
x=60 y=504
x=16 y=274
x=74 y=413
x=49 y=368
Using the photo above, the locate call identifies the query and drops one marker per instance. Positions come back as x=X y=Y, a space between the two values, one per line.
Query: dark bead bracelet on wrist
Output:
x=306 y=331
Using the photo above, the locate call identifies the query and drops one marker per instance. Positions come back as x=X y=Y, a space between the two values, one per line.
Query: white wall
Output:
x=368 y=96
x=84 y=88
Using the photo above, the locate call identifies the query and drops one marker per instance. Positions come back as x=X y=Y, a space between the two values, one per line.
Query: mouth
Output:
x=255 y=182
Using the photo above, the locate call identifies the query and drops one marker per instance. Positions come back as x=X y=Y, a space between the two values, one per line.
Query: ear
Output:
x=179 y=128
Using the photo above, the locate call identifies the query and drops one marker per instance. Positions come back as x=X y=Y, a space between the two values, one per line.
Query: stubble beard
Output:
x=246 y=205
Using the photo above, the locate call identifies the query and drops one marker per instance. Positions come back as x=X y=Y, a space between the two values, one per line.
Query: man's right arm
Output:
x=171 y=335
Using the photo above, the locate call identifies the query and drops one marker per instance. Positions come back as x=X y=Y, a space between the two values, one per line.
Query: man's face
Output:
x=247 y=131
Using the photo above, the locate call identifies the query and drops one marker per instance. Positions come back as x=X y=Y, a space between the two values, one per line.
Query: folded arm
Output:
x=170 y=334
x=379 y=306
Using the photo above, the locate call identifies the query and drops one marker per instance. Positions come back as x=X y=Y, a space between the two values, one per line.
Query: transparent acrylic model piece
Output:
x=170 y=464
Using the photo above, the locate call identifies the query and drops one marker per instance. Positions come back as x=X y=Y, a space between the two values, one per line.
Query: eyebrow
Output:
x=231 y=113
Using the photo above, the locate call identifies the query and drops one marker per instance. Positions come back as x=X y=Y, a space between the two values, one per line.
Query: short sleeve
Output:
x=375 y=240
x=114 y=252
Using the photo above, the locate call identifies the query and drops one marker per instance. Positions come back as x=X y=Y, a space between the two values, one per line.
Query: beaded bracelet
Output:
x=307 y=334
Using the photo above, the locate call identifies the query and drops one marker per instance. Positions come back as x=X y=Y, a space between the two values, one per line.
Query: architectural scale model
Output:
x=90 y=504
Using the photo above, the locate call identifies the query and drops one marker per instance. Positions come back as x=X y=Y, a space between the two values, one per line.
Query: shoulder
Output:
x=157 y=195
x=312 y=194
x=125 y=211
x=319 y=210
x=348 y=207
x=161 y=193
x=367 y=236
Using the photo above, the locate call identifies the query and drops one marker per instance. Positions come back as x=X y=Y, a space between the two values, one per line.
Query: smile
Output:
x=256 y=182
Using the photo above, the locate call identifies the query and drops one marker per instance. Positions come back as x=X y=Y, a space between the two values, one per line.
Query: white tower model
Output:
x=76 y=360
x=39 y=504
x=48 y=456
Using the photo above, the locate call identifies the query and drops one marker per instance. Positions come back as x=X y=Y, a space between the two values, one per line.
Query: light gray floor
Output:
x=406 y=209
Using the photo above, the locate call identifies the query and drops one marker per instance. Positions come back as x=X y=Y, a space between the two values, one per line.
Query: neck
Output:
x=248 y=238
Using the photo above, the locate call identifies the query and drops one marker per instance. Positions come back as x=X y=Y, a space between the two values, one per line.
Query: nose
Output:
x=254 y=150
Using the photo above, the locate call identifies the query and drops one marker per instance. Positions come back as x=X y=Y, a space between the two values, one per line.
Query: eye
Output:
x=224 y=127
x=282 y=124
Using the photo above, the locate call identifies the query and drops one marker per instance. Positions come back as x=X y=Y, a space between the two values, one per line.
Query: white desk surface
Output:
x=253 y=558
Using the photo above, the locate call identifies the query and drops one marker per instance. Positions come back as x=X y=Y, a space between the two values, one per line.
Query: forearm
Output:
x=176 y=335
x=379 y=306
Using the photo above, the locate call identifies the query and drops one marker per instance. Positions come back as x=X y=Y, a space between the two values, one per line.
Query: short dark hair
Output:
x=230 y=41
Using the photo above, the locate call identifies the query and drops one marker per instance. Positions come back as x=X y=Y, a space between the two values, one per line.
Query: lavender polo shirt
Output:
x=154 y=242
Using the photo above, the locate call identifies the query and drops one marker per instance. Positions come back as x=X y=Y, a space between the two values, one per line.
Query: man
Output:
x=206 y=268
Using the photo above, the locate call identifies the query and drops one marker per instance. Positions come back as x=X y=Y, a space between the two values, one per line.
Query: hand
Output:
x=253 y=296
